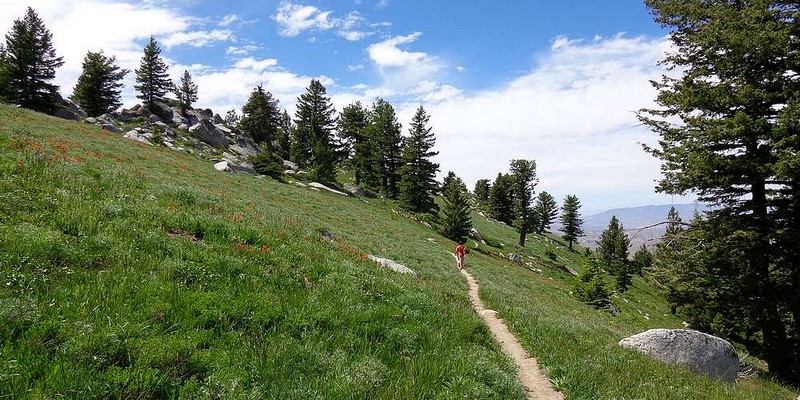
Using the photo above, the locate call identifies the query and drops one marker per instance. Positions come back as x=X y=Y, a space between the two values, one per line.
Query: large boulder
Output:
x=393 y=265
x=137 y=135
x=696 y=351
x=208 y=133
x=67 y=109
x=244 y=146
x=320 y=186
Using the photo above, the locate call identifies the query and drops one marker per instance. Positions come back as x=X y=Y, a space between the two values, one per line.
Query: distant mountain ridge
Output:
x=633 y=219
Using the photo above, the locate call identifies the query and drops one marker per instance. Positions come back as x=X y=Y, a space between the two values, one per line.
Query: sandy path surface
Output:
x=532 y=378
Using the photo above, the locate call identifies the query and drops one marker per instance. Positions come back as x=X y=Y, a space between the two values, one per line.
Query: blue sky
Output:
x=553 y=81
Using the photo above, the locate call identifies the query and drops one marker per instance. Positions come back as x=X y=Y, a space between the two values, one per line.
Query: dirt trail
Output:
x=535 y=382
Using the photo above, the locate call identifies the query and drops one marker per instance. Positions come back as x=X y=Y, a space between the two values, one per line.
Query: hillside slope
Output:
x=132 y=271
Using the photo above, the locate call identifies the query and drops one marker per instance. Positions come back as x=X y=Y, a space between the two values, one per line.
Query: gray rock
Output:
x=217 y=119
x=183 y=127
x=222 y=166
x=475 y=235
x=67 y=109
x=208 y=133
x=135 y=135
x=245 y=146
x=393 y=265
x=205 y=114
x=178 y=119
x=290 y=165
x=129 y=115
x=516 y=258
x=355 y=189
x=323 y=187
x=110 y=128
x=696 y=351
x=90 y=120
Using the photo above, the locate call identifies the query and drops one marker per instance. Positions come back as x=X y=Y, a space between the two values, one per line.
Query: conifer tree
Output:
x=612 y=252
x=502 y=199
x=642 y=260
x=728 y=130
x=523 y=173
x=571 y=222
x=545 y=211
x=98 y=88
x=28 y=64
x=232 y=119
x=353 y=122
x=482 y=191
x=284 y=140
x=186 y=92
x=417 y=172
x=455 y=220
x=385 y=131
x=591 y=286
x=151 y=77
x=315 y=122
x=260 y=117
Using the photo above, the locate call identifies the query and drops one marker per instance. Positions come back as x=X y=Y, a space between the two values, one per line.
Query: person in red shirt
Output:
x=460 y=251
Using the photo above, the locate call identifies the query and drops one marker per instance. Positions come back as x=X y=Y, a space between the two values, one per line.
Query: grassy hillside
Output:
x=132 y=271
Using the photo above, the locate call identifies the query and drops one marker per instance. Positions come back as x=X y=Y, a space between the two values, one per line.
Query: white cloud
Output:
x=293 y=19
x=388 y=54
x=400 y=69
x=197 y=38
x=240 y=51
x=229 y=19
x=574 y=113
x=256 y=65
x=353 y=68
x=382 y=4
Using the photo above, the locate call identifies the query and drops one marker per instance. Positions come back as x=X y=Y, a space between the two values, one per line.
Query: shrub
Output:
x=269 y=164
x=592 y=287
x=550 y=254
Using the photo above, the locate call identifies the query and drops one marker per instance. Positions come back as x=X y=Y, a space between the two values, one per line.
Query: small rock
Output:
x=323 y=187
x=394 y=266
x=222 y=166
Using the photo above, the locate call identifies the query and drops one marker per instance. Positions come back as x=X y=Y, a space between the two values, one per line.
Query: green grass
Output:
x=132 y=271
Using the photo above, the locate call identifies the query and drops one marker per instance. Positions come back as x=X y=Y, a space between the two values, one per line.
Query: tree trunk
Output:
x=522 y=234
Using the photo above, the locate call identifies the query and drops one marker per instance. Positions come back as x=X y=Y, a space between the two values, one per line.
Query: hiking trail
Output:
x=535 y=382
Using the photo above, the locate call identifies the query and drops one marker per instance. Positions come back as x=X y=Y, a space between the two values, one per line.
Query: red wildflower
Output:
x=242 y=246
x=265 y=249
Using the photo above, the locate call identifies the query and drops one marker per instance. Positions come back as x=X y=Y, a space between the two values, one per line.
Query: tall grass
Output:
x=132 y=271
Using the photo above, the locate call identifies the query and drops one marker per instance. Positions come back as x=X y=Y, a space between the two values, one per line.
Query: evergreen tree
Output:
x=260 y=117
x=385 y=131
x=353 y=122
x=417 y=172
x=523 y=173
x=571 y=222
x=284 y=140
x=232 y=119
x=98 y=87
x=502 y=199
x=728 y=127
x=591 y=286
x=315 y=123
x=482 y=191
x=545 y=211
x=455 y=220
x=612 y=252
x=186 y=92
x=642 y=260
x=151 y=77
x=29 y=64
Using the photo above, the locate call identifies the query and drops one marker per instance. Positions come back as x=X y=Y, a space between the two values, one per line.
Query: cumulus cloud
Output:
x=197 y=38
x=574 y=113
x=240 y=50
x=400 y=69
x=294 y=19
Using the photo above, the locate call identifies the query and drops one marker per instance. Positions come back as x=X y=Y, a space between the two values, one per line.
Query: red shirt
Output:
x=460 y=250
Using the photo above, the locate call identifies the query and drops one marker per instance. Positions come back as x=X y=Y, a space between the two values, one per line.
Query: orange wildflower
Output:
x=265 y=249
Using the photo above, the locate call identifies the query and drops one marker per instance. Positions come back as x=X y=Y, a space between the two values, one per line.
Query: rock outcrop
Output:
x=394 y=266
x=696 y=351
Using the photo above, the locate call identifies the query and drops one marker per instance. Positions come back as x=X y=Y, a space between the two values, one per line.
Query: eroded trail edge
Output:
x=532 y=378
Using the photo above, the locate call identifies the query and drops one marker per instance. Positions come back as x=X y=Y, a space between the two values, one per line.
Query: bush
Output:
x=269 y=164
x=550 y=254
x=592 y=287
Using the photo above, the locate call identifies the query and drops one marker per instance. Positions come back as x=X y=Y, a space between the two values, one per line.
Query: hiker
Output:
x=460 y=251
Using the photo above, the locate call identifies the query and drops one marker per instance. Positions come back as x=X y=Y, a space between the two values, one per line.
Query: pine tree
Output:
x=523 y=173
x=591 y=286
x=232 y=119
x=29 y=64
x=612 y=252
x=728 y=127
x=545 y=211
x=151 y=76
x=482 y=191
x=315 y=122
x=385 y=131
x=284 y=138
x=418 y=184
x=502 y=199
x=353 y=122
x=642 y=260
x=186 y=92
x=455 y=221
x=98 y=88
x=571 y=222
x=260 y=117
